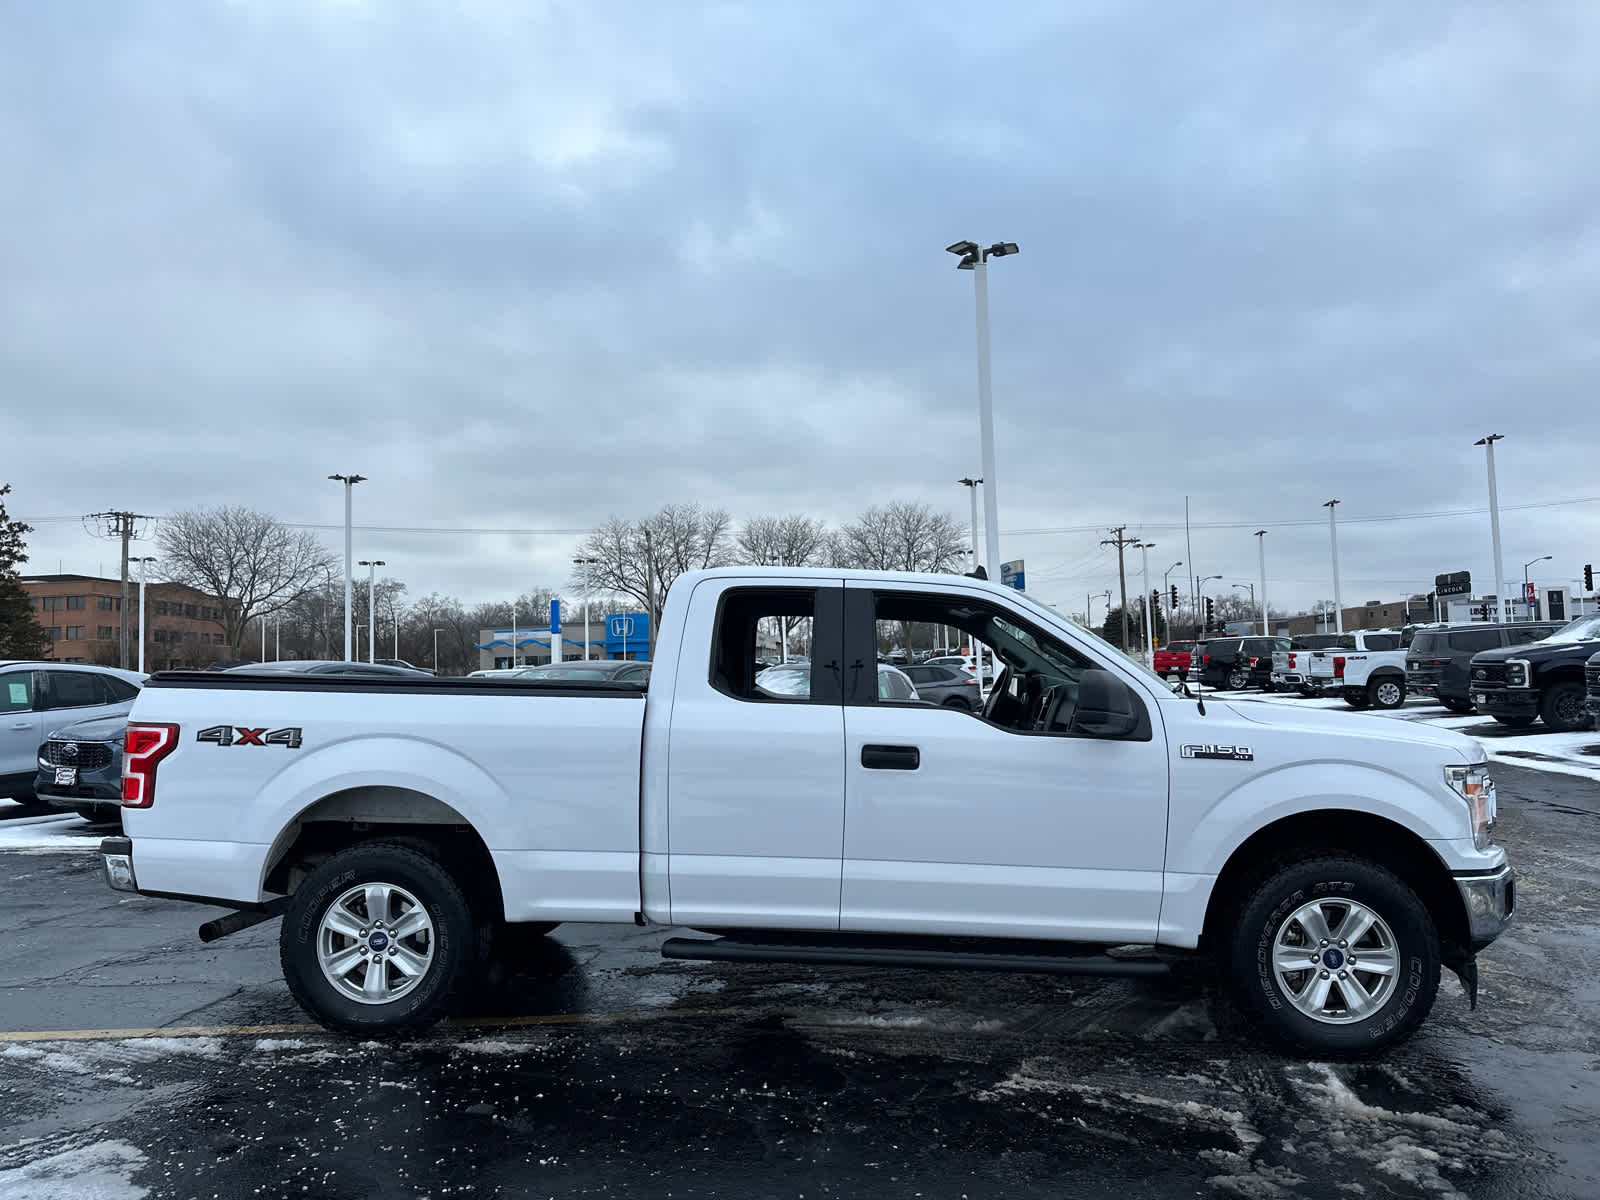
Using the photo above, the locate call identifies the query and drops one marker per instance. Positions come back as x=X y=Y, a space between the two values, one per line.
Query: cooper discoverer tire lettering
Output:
x=378 y=940
x=1334 y=956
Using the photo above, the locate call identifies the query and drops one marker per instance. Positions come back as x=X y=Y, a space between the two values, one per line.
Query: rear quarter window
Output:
x=1427 y=643
x=1473 y=640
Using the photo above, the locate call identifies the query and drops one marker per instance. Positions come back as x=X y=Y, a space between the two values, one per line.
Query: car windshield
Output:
x=1584 y=629
x=1027 y=640
x=785 y=681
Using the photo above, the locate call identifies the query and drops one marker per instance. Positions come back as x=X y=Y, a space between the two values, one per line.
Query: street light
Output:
x=1200 y=598
x=581 y=564
x=1149 y=648
x=436 y=631
x=349 y=482
x=1525 y=566
x=1261 y=553
x=1487 y=442
x=975 y=260
x=372 y=566
x=142 y=571
x=972 y=490
x=1333 y=535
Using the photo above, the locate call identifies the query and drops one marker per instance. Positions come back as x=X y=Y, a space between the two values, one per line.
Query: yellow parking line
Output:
x=223 y=1031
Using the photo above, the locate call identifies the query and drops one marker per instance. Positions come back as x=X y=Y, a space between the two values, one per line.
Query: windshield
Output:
x=785 y=681
x=1584 y=629
x=1128 y=659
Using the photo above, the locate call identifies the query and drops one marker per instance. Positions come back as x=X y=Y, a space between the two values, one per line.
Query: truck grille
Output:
x=1489 y=675
x=1591 y=677
x=86 y=755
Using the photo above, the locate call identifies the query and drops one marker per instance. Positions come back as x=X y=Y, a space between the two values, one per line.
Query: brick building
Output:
x=82 y=615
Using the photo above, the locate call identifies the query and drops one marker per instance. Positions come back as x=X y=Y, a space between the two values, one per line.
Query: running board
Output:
x=974 y=954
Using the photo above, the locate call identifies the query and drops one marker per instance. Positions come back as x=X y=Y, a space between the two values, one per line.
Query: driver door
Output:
x=955 y=824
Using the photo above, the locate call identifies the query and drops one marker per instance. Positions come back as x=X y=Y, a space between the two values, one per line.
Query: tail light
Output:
x=1338 y=667
x=1254 y=661
x=1291 y=660
x=143 y=747
x=1205 y=658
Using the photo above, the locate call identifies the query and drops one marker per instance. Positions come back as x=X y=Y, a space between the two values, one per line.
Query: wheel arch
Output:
x=1310 y=834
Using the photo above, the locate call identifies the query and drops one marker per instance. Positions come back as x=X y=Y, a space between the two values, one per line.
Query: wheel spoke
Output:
x=409 y=961
x=1355 y=926
x=1315 y=996
x=341 y=964
x=1314 y=922
x=342 y=922
x=376 y=984
x=415 y=921
x=1357 y=1000
x=1377 y=962
x=1293 y=958
x=378 y=901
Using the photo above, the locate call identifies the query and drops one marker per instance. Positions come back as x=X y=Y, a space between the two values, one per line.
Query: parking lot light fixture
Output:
x=1333 y=537
x=143 y=564
x=1525 y=566
x=975 y=260
x=1261 y=554
x=1500 y=603
x=349 y=482
x=372 y=566
x=583 y=565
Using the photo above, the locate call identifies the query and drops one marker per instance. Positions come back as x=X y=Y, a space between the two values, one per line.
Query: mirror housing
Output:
x=1106 y=708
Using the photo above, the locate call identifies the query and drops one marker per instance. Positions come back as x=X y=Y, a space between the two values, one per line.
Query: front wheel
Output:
x=1456 y=706
x=1335 y=956
x=1386 y=692
x=1238 y=679
x=1356 y=697
x=1561 y=708
x=1518 y=721
x=958 y=703
x=378 y=940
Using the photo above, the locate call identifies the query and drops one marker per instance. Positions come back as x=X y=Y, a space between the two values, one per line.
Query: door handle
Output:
x=22 y=725
x=891 y=758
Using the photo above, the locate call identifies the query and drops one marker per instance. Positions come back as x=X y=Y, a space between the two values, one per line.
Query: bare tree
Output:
x=640 y=559
x=793 y=541
x=250 y=562
x=903 y=537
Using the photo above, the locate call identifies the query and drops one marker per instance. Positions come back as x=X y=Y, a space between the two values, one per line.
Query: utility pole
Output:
x=120 y=525
x=1121 y=541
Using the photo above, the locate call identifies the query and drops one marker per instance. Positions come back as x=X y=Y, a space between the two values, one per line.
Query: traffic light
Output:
x=1588 y=577
x=1211 y=614
x=1174 y=597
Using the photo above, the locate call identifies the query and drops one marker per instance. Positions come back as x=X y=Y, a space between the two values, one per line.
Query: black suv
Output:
x=1544 y=680
x=1439 y=661
x=1236 y=662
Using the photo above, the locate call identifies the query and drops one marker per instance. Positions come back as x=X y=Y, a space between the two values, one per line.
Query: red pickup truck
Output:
x=1172 y=660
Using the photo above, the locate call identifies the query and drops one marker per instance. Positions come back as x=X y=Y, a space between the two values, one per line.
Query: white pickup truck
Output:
x=1328 y=865
x=1371 y=674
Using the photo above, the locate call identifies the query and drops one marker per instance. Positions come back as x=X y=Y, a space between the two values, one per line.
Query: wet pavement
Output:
x=590 y=1067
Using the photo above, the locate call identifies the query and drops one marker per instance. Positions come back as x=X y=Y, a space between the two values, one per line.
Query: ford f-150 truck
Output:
x=1328 y=865
x=1371 y=675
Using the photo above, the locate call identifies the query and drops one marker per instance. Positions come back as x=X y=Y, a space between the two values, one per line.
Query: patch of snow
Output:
x=101 y=1171
x=54 y=831
x=148 y=1048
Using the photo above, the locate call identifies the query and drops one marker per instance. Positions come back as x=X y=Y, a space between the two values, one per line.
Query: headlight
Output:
x=1516 y=673
x=1474 y=786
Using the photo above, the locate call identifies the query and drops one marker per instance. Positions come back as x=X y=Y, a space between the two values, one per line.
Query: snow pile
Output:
x=99 y=1171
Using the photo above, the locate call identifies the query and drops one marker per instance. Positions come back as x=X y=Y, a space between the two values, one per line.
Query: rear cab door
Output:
x=20 y=728
x=754 y=775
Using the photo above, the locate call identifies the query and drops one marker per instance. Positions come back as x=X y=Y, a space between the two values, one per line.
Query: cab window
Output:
x=16 y=692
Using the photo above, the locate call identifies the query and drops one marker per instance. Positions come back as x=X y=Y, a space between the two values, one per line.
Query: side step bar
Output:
x=967 y=954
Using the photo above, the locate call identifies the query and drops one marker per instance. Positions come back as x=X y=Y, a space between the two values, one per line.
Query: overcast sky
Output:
x=530 y=265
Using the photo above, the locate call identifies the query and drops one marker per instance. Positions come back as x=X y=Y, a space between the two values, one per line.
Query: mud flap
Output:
x=1467 y=971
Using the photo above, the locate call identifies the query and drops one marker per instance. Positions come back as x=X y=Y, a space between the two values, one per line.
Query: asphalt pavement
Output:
x=137 y=1062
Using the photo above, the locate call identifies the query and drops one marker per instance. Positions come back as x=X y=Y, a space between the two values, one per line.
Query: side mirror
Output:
x=1107 y=707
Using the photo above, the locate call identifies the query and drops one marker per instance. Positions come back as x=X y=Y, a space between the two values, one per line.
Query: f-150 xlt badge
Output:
x=1227 y=753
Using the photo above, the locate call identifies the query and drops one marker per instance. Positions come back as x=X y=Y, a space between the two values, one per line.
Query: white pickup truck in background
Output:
x=1371 y=674
x=1328 y=865
x=1291 y=668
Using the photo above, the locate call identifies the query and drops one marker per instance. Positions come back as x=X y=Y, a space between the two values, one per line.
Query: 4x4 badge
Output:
x=1226 y=753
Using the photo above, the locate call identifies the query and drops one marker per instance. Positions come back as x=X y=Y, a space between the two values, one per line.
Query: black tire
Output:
x=1561 y=708
x=1268 y=998
x=1238 y=678
x=1308 y=692
x=1457 y=706
x=453 y=943
x=1386 y=691
x=1518 y=721
x=958 y=702
x=1356 y=697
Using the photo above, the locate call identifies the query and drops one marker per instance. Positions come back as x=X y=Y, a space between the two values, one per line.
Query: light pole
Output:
x=1148 y=651
x=1261 y=554
x=1252 y=588
x=372 y=566
x=1525 y=566
x=1487 y=442
x=583 y=565
x=1200 y=582
x=1333 y=536
x=436 y=632
x=976 y=260
x=143 y=565
x=972 y=490
x=349 y=482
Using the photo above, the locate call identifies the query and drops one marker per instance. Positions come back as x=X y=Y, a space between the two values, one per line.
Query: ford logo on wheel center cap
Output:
x=378 y=941
x=1332 y=959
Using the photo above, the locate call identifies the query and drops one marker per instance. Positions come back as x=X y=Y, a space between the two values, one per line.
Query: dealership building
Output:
x=621 y=635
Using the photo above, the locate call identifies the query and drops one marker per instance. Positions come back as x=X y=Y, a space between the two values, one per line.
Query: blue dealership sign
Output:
x=628 y=634
x=1013 y=576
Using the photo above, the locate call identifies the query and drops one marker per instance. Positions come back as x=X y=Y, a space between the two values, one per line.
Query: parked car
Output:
x=968 y=663
x=792 y=680
x=1237 y=662
x=1172 y=661
x=228 y=664
x=947 y=685
x=80 y=767
x=324 y=666
x=496 y=672
x=1439 y=659
x=398 y=830
x=1291 y=665
x=1545 y=680
x=37 y=697
x=617 y=670
x=400 y=662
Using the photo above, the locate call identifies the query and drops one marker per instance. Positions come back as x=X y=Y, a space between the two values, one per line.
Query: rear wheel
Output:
x=1356 y=697
x=1561 y=708
x=1519 y=721
x=1456 y=706
x=1335 y=956
x=958 y=702
x=1238 y=678
x=1387 y=691
x=378 y=940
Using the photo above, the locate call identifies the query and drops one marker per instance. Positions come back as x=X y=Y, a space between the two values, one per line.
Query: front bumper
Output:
x=1591 y=704
x=116 y=855
x=1511 y=702
x=1490 y=901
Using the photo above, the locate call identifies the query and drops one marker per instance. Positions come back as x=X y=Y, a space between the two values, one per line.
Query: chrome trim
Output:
x=119 y=872
x=1490 y=904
